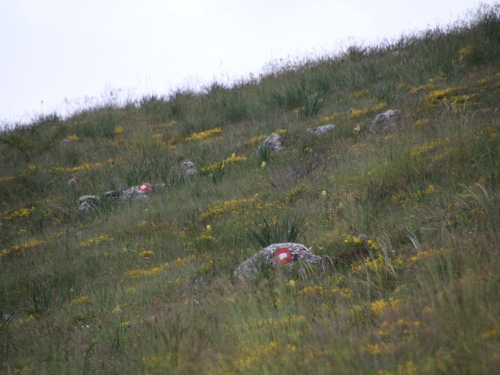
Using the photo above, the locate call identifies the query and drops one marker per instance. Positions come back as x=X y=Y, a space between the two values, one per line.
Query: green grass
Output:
x=146 y=286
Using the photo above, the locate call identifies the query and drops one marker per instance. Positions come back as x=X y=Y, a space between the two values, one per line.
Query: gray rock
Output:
x=89 y=202
x=91 y=198
x=278 y=255
x=321 y=129
x=188 y=167
x=72 y=181
x=273 y=143
x=386 y=118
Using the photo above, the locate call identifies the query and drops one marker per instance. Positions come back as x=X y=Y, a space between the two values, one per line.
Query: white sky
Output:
x=70 y=53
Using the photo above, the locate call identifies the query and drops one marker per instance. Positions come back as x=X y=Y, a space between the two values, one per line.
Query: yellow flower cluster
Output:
x=257 y=139
x=206 y=238
x=351 y=239
x=399 y=326
x=359 y=112
x=119 y=130
x=4 y=179
x=179 y=262
x=420 y=122
x=425 y=255
x=95 y=241
x=204 y=135
x=492 y=135
x=330 y=118
x=146 y=253
x=400 y=198
x=227 y=206
x=279 y=132
x=80 y=300
x=277 y=322
x=83 y=167
x=427 y=146
x=19 y=249
x=21 y=213
x=434 y=98
x=429 y=86
x=293 y=193
x=73 y=137
x=377 y=349
x=359 y=94
x=316 y=289
x=147 y=272
x=462 y=53
x=251 y=357
x=229 y=160
x=382 y=306
x=378 y=264
x=431 y=189
x=494 y=334
x=357 y=240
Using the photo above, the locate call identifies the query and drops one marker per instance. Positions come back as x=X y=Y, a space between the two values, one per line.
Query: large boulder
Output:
x=286 y=255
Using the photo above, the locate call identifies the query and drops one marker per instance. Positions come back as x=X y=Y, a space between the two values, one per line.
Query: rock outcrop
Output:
x=286 y=255
x=321 y=129
x=90 y=202
x=272 y=143
x=384 y=121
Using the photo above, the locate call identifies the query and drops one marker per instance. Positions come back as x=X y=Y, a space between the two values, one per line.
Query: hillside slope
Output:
x=406 y=213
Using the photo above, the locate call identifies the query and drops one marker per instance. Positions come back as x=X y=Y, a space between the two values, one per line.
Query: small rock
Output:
x=86 y=198
x=188 y=167
x=278 y=255
x=72 y=181
x=86 y=207
x=88 y=202
x=273 y=142
x=321 y=129
x=386 y=118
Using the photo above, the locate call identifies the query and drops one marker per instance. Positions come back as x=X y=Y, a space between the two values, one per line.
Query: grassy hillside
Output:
x=145 y=286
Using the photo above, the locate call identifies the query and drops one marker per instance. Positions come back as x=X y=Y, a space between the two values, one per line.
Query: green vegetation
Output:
x=145 y=286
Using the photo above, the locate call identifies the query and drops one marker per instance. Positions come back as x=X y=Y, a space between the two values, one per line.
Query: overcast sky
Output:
x=71 y=53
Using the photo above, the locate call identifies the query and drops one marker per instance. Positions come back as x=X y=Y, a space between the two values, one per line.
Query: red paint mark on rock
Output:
x=144 y=187
x=283 y=256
